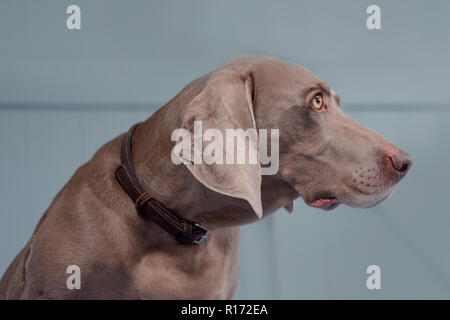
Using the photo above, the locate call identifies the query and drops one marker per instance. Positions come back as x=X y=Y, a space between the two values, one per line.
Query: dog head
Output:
x=324 y=155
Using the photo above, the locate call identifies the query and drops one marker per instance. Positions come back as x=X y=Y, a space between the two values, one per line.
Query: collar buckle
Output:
x=205 y=232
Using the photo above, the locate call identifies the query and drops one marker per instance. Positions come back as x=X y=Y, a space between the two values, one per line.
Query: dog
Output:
x=325 y=157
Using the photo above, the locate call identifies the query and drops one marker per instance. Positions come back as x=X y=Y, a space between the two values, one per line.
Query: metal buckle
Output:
x=204 y=235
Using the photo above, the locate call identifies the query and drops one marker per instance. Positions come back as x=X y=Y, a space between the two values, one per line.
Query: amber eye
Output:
x=317 y=102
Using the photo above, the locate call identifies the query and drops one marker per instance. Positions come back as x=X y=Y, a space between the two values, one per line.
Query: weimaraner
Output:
x=325 y=157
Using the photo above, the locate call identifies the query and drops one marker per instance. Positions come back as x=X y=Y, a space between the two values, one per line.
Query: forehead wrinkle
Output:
x=325 y=87
x=322 y=86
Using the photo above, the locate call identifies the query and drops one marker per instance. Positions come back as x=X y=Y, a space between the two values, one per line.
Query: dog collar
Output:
x=183 y=230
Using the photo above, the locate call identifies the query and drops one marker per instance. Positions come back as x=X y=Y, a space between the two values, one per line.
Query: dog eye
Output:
x=317 y=102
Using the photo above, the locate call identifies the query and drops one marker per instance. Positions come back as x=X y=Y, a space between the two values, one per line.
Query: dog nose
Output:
x=401 y=162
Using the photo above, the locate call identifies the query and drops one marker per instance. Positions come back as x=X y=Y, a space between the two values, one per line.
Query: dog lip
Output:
x=326 y=203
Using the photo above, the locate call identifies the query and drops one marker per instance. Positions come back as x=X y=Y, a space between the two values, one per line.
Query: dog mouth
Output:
x=325 y=203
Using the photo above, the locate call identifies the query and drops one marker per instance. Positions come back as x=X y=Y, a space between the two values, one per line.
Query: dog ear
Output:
x=225 y=103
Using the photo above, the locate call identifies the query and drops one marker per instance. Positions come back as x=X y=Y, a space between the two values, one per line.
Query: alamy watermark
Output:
x=73 y=21
x=237 y=147
x=374 y=280
x=373 y=21
x=74 y=280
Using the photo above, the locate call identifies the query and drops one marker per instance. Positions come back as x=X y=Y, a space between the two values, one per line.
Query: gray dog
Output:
x=325 y=157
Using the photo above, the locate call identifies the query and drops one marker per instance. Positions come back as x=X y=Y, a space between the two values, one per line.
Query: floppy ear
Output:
x=225 y=103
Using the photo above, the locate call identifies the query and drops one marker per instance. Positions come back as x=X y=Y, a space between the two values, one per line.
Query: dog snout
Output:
x=401 y=162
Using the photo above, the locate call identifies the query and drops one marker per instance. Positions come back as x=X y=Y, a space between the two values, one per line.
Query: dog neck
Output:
x=173 y=185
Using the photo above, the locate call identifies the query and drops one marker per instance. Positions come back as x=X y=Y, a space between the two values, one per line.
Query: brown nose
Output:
x=401 y=162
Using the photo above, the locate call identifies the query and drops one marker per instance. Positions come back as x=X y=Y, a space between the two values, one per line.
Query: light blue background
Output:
x=65 y=93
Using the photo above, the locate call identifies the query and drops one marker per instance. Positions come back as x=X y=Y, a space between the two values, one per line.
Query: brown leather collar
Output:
x=182 y=230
